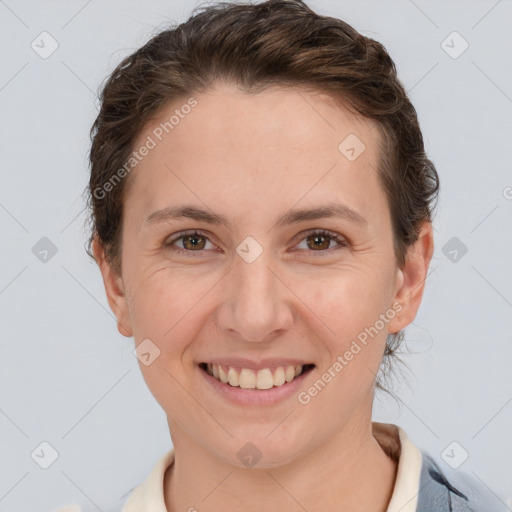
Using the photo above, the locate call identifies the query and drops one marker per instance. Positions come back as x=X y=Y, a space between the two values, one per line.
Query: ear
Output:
x=411 y=278
x=114 y=289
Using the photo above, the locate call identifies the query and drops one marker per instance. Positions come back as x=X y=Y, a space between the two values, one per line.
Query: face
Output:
x=255 y=284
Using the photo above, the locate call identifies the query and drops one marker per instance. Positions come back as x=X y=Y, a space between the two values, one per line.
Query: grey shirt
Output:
x=453 y=491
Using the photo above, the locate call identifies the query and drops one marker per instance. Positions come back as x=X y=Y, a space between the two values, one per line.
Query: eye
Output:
x=190 y=240
x=318 y=240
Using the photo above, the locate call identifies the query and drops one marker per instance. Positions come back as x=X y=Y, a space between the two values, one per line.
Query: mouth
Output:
x=246 y=378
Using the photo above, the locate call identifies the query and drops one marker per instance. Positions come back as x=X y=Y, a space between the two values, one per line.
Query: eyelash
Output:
x=343 y=243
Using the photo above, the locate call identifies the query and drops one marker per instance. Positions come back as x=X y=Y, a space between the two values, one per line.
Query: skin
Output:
x=253 y=157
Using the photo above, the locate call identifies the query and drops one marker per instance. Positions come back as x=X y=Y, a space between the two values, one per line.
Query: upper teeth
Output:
x=249 y=379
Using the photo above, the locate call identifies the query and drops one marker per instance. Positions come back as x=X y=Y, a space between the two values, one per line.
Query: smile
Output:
x=247 y=378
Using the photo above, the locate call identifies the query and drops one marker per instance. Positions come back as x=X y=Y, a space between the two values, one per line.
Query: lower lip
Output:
x=255 y=397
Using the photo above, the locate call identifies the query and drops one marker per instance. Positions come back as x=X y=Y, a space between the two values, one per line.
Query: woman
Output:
x=261 y=206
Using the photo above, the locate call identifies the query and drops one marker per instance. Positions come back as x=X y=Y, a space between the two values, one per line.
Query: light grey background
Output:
x=68 y=377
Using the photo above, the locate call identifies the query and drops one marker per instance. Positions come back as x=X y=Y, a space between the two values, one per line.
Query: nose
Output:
x=256 y=303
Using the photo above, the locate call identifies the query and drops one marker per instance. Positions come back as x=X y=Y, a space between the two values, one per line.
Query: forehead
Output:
x=277 y=144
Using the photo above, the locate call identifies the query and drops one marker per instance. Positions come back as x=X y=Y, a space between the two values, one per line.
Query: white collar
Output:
x=407 y=483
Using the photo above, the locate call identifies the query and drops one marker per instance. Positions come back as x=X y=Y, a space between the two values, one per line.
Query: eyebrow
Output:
x=291 y=217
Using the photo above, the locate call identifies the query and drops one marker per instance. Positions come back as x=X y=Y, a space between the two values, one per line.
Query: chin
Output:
x=261 y=452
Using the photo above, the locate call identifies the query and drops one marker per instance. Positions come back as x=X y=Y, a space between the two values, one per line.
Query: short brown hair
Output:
x=273 y=43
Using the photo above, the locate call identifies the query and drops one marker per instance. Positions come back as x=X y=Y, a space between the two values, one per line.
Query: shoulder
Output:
x=453 y=491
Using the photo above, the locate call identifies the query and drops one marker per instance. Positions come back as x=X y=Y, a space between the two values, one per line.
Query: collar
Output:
x=397 y=445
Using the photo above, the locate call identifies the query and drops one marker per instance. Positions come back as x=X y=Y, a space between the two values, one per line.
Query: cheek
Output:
x=163 y=313
x=353 y=299
x=355 y=335
x=351 y=327
x=161 y=303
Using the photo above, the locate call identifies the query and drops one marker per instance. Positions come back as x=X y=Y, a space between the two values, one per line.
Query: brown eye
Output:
x=320 y=241
x=188 y=243
x=195 y=241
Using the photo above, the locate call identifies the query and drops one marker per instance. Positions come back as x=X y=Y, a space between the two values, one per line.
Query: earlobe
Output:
x=114 y=289
x=411 y=278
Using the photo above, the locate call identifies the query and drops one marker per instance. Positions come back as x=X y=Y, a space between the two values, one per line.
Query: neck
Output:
x=360 y=478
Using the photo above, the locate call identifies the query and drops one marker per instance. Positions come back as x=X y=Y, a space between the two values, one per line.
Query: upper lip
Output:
x=240 y=362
